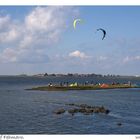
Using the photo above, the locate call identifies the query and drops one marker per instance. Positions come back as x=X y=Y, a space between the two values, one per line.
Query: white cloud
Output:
x=8 y=55
x=131 y=58
x=137 y=57
x=42 y=27
x=9 y=30
x=78 y=54
x=102 y=58
x=26 y=42
x=9 y=36
x=4 y=21
x=126 y=59
x=45 y=19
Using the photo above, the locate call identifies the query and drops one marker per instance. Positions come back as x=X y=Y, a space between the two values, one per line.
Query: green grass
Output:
x=92 y=87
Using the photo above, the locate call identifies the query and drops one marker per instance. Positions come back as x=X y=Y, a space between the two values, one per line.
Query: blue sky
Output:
x=42 y=39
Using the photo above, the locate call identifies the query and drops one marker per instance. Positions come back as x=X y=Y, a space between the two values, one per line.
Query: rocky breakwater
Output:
x=83 y=108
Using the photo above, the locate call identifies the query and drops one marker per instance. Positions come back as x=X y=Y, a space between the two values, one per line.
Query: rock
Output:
x=119 y=124
x=84 y=109
x=75 y=110
x=83 y=106
x=107 y=111
x=89 y=107
x=102 y=110
x=71 y=104
x=59 y=111
x=89 y=111
x=96 y=110
x=71 y=111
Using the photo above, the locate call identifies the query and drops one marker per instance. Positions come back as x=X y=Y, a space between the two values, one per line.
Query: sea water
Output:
x=31 y=112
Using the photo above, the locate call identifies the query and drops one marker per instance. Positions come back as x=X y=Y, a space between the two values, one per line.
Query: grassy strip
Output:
x=93 y=87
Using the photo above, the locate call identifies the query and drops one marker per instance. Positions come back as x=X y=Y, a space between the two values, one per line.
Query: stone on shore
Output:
x=59 y=111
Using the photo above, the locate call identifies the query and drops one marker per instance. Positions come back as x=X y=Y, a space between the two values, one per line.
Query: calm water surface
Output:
x=31 y=112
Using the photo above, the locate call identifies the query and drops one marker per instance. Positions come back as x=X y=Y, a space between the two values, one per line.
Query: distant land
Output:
x=77 y=75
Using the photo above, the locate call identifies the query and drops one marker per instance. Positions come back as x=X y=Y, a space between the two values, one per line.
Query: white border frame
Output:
x=70 y=2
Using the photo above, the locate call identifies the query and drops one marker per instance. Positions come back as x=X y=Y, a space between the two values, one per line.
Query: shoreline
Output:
x=93 y=87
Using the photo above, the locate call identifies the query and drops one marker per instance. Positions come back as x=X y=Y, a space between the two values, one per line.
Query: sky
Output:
x=42 y=39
